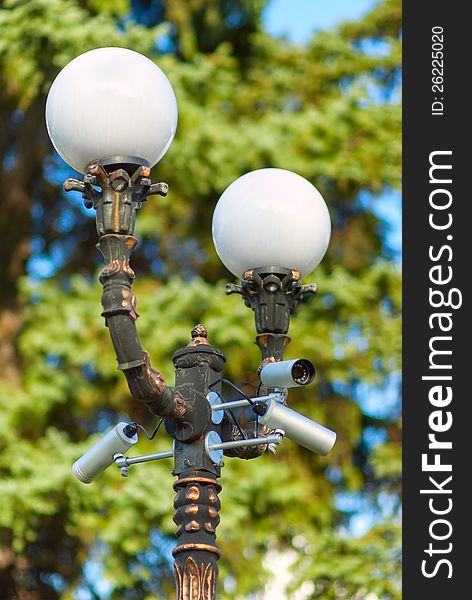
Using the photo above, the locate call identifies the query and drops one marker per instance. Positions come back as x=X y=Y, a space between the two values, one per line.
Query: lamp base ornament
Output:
x=124 y=187
x=272 y=293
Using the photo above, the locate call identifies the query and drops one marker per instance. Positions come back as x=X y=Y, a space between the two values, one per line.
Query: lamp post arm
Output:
x=123 y=187
x=119 y=309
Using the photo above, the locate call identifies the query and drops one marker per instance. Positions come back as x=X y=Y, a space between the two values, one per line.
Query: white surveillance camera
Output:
x=288 y=373
x=100 y=456
x=298 y=428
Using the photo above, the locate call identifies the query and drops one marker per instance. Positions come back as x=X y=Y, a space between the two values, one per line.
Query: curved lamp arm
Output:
x=119 y=309
x=122 y=192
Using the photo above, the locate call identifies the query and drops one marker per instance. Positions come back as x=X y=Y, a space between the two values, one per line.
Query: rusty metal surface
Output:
x=129 y=302
x=201 y=547
x=145 y=383
x=272 y=347
x=195 y=581
x=196 y=516
x=199 y=479
x=199 y=336
x=123 y=190
x=272 y=293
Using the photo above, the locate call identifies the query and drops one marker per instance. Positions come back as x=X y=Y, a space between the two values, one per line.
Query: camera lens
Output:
x=302 y=372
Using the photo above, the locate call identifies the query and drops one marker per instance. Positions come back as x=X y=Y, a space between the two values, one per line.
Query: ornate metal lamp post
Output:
x=267 y=217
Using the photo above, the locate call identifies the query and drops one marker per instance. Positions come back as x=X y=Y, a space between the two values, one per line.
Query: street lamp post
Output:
x=270 y=227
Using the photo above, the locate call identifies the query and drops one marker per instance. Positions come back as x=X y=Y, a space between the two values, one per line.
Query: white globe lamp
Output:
x=271 y=218
x=110 y=103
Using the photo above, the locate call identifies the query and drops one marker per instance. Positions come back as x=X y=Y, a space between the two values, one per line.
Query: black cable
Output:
x=254 y=405
x=235 y=387
x=257 y=420
x=154 y=433
x=235 y=421
x=258 y=388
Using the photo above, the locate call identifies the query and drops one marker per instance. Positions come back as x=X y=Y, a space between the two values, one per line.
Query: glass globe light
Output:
x=111 y=102
x=271 y=217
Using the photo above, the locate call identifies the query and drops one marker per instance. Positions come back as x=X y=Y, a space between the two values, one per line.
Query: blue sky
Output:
x=297 y=19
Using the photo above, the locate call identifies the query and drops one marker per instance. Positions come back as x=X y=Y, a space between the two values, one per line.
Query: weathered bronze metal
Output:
x=272 y=293
x=195 y=581
x=272 y=346
x=199 y=336
x=196 y=516
x=123 y=191
x=198 y=366
x=119 y=309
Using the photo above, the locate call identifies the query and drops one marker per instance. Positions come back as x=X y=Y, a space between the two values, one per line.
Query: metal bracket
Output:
x=216 y=405
x=212 y=447
x=123 y=192
x=272 y=293
x=123 y=462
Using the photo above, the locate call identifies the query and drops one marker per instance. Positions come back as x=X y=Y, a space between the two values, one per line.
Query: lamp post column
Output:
x=198 y=366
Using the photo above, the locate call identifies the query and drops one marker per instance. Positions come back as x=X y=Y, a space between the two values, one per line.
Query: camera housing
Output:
x=101 y=455
x=288 y=373
x=298 y=428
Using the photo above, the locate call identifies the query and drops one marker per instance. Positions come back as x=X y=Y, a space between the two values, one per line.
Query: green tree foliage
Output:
x=328 y=110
